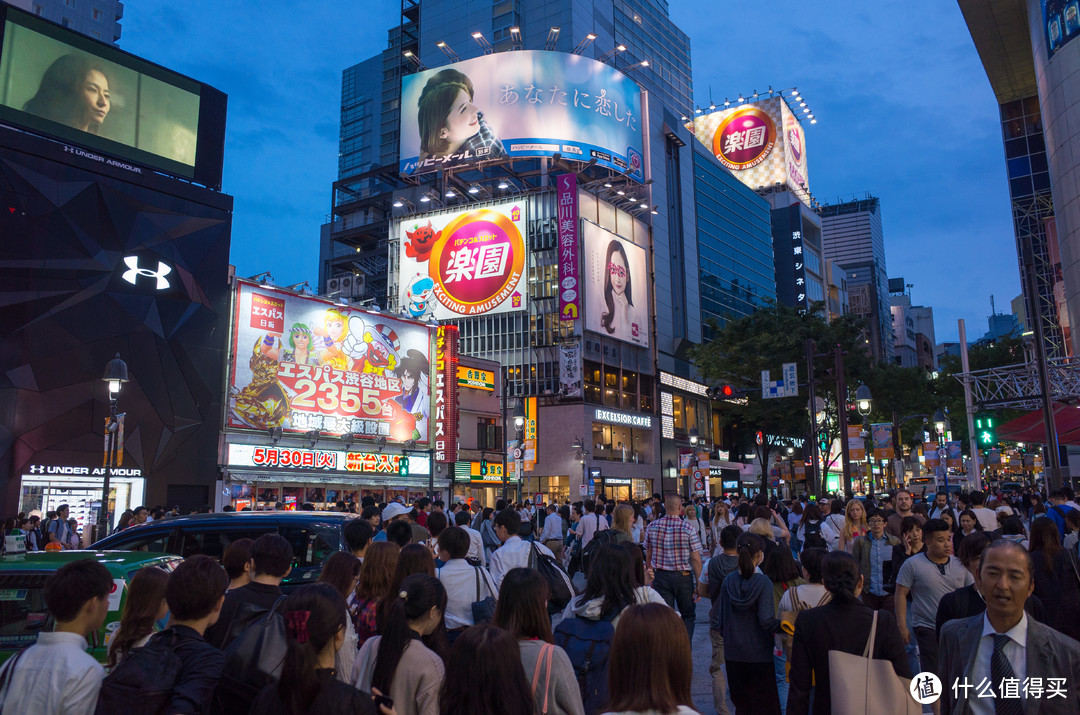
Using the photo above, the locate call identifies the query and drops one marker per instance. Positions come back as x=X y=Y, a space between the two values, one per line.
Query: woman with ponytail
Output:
x=748 y=622
x=315 y=624
x=816 y=633
x=397 y=662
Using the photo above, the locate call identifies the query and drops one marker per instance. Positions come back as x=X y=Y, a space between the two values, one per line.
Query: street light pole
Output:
x=519 y=427
x=941 y=424
x=116 y=374
x=863 y=398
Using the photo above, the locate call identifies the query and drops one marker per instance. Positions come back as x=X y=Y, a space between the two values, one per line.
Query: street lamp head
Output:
x=519 y=416
x=116 y=374
x=694 y=437
x=863 y=397
x=940 y=422
x=790 y=450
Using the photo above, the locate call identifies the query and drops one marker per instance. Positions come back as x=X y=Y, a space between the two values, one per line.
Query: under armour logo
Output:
x=131 y=275
x=35 y=469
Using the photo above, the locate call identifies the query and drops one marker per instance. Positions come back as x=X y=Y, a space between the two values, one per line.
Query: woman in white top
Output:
x=650 y=665
x=692 y=518
x=721 y=517
x=342 y=571
x=611 y=587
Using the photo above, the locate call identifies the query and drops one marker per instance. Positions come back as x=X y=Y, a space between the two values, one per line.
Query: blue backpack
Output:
x=588 y=643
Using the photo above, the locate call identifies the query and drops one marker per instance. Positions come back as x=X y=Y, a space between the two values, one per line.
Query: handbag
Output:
x=483 y=609
x=859 y=683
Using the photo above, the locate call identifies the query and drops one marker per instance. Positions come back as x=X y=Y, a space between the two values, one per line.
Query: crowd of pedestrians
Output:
x=430 y=611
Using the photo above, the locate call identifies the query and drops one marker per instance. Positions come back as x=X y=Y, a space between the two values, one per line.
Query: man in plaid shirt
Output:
x=673 y=550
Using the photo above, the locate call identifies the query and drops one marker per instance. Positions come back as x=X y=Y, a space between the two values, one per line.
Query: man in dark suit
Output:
x=1004 y=652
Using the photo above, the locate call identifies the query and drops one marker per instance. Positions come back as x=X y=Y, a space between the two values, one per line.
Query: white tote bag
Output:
x=860 y=684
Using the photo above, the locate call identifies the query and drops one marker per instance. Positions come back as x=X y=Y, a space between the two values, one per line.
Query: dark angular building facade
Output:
x=97 y=259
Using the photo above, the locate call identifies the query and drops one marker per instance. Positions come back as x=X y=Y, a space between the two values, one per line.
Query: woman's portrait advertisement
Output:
x=518 y=104
x=616 y=286
x=79 y=93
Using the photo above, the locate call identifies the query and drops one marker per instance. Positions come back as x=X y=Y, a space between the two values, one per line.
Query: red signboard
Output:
x=268 y=313
x=569 y=272
x=446 y=394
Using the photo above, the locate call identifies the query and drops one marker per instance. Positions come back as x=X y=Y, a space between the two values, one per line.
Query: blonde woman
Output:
x=721 y=517
x=854 y=525
x=692 y=518
x=622 y=521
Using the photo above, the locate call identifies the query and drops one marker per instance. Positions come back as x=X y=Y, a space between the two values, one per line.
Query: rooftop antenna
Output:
x=993 y=310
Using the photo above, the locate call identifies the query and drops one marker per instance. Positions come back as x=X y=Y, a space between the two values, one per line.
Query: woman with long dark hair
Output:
x=651 y=665
x=748 y=620
x=315 y=625
x=497 y=687
x=376 y=577
x=618 y=290
x=342 y=571
x=74 y=91
x=144 y=608
x=1045 y=545
x=414 y=559
x=450 y=124
x=610 y=588
x=817 y=633
x=522 y=610
x=397 y=662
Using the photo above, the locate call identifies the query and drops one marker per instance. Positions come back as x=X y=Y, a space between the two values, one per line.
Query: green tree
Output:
x=765 y=340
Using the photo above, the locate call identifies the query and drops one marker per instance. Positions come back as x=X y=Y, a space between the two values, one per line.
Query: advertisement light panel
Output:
x=476 y=378
x=569 y=268
x=529 y=103
x=1061 y=23
x=762 y=143
x=302 y=364
x=127 y=107
x=616 y=285
x=458 y=264
x=249 y=455
x=446 y=394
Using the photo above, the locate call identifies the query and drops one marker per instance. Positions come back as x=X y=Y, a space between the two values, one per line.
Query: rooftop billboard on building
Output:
x=68 y=87
x=457 y=264
x=306 y=364
x=761 y=143
x=521 y=104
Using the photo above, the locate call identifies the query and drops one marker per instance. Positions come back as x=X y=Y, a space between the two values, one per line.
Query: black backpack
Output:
x=812 y=537
x=142 y=683
x=561 y=589
x=607 y=536
x=587 y=643
x=252 y=661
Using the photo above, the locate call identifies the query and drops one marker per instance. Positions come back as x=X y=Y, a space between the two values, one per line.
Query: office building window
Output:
x=67 y=22
x=70 y=3
x=97 y=14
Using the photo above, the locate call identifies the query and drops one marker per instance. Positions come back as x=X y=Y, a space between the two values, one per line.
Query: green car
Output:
x=22 y=593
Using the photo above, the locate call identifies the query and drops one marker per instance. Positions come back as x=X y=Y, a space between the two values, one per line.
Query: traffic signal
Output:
x=403 y=466
x=720 y=392
x=483 y=467
x=985 y=431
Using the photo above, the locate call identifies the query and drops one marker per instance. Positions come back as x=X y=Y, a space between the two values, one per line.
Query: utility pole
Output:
x=815 y=482
x=973 y=442
x=841 y=409
x=1053 y=456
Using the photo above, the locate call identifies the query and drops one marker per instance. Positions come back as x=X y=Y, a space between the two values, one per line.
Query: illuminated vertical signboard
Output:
x=446 y=394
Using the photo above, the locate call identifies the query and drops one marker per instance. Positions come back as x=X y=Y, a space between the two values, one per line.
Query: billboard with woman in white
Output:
x=616 y=280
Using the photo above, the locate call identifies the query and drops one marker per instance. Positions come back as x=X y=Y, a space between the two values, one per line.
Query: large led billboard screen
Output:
x=453 y=265
x=306 y=364
x=521 y=104
x=616 y=285
x=56 y=82
x=761 y=143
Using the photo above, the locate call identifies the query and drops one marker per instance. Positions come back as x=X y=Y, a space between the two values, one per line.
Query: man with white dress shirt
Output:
x=514 y=552
x=56 y=675
x=592 y=522
x=476 y=543
x=1001 y=662
x=461 y=580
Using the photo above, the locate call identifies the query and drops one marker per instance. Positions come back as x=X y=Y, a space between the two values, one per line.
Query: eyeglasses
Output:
x=616 y=270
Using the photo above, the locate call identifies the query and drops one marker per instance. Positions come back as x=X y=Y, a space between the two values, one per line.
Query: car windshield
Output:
x=22 y=609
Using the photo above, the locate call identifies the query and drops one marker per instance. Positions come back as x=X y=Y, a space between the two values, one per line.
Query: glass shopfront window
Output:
x=619 y=443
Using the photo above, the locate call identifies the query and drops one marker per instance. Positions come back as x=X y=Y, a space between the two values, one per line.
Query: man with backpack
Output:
x=56 y=675
x=591 y=523
x=1058 y=507
x=58 y=530
x=713 y=573
x=176 y=672
x=273 y=556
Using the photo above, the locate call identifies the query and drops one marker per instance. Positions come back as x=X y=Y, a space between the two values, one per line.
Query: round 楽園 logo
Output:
x=744 y=139
x=480 y=256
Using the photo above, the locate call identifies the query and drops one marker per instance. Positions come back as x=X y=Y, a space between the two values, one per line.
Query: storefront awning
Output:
x=1030 y=427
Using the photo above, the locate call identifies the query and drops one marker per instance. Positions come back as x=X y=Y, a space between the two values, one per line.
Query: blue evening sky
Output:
x=903 y=105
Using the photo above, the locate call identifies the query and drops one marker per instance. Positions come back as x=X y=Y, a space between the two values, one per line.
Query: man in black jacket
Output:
x=713 y=574
x=273 y=556
x=194 y=594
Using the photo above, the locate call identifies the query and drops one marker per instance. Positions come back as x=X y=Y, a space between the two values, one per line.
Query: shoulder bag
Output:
x=859 y=683
x=483 y=609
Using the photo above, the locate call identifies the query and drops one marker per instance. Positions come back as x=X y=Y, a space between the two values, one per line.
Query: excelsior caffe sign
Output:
x=623 y=418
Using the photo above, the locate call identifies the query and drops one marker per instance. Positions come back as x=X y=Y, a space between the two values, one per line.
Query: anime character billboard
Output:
x=460 y=264
x=303 y=364
x=529 y=103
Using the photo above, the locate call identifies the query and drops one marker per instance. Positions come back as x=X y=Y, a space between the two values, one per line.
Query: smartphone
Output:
x=382 y=700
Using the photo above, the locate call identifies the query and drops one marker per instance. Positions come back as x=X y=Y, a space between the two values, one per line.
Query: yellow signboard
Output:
x=472 y=469
x=476 y=379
